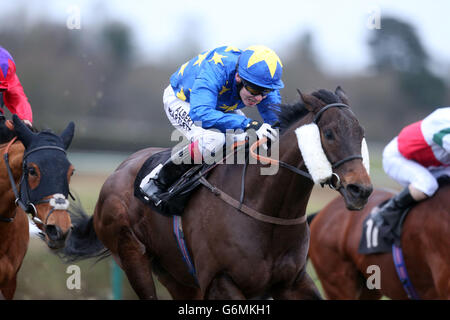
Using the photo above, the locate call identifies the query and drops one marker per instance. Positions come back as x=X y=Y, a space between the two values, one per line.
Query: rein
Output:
x=11 y=178
x=57 y=202
x=267 y=160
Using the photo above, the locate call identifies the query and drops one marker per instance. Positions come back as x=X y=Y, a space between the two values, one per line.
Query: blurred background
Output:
x=105 y=64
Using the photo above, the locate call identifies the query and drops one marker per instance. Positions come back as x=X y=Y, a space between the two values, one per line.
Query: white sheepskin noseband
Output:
x=365 y=155
x=308 y=138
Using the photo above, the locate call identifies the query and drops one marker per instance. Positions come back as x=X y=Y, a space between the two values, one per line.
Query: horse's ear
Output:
x=341 y=94
x=67 y=135
x=24 y=134
x=302 y=101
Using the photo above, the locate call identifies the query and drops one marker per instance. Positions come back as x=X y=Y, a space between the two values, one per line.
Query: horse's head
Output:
x=332 y=145
x=44 y=185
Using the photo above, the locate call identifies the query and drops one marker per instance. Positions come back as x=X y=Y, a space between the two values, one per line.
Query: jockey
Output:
x=203 y=102
x=416 y=158
x=11 y=92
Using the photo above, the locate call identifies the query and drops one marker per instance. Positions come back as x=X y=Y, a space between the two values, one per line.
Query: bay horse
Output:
x=34 y=178
x=425 y=241
x=235 y=256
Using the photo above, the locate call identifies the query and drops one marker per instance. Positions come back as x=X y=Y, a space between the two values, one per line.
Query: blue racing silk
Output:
x=208 y=83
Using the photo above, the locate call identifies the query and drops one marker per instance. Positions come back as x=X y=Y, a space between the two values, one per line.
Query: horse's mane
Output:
x=291 y=113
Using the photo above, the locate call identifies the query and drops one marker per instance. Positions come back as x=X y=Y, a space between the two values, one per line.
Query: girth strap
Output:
x=400 y=267
x=249 y=211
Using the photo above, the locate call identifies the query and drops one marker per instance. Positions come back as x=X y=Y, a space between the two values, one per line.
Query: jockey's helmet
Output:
x=261 y=66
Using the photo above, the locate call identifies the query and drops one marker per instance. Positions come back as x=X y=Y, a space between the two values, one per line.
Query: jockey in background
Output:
x=11 y=91
x=203 y=101
x=416 y=158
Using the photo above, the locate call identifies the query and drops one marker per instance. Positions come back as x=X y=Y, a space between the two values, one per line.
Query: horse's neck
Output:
x=15 y=155
x=284 y=194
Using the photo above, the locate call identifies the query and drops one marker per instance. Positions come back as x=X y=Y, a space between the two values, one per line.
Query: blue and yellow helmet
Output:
x=261 y=66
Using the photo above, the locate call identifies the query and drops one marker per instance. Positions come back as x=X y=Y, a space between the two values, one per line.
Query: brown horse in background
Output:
x=235 y=256
x=425 y=241
x=46 y=169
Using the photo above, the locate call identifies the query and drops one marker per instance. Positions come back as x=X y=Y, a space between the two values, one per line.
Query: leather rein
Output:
x=240 y=206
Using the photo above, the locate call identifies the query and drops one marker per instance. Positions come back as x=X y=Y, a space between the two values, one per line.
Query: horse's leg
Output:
x=441 y=277
x=176 y=289
x=7 y=292
x=136 y=263
x=340 y=279
x=302 y=289
x=222 y=287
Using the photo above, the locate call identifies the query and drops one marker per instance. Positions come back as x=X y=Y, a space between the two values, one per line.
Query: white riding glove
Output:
x=267 y=131
x=264 y=130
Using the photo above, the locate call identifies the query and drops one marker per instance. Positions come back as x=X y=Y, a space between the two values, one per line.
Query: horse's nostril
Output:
x=359 y=191
x=53 y=232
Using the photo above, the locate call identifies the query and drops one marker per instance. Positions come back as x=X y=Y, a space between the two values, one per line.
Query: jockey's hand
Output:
x=263 y=130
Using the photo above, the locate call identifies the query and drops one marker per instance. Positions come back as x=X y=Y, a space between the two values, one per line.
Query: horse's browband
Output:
x=41 y=148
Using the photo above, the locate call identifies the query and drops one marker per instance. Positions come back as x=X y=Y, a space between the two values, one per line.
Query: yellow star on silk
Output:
x=262 y=53
x=228 y=108
x=200 y=59
x=224 y=89
x=217 y=58
x=181 y=95
x=182 y=68
x=231 y=48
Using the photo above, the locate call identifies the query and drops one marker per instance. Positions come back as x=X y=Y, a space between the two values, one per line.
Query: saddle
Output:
x=177 y=196
x=174 y=200
x=380 y=233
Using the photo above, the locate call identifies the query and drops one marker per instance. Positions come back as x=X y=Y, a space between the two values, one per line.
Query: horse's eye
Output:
x=32 y=171
x=328 y=135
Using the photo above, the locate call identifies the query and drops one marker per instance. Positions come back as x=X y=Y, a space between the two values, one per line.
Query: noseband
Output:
x=333 y=185
x=57 y=202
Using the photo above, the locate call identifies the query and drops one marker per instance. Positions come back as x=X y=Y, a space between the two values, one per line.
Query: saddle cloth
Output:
x=380 y=233
x=175 y=199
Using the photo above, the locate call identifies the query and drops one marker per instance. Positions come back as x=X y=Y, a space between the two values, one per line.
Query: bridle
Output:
x=333 y=185
x=240 y=206
x=56 y=202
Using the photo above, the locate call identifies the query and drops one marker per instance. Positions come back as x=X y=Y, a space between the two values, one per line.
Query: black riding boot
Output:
x=168 y=175
x=396 y=205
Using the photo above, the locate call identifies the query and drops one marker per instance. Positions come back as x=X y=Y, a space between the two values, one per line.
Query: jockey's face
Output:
x=248 y=99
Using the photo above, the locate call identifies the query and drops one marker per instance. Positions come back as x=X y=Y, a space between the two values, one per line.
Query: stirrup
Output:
x=154 y=195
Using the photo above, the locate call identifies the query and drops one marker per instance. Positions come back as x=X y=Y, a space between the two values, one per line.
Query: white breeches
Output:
x=210 y=141
x=406 y=171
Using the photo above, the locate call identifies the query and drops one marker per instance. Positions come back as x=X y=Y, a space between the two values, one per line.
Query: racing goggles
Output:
x=255 y=90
